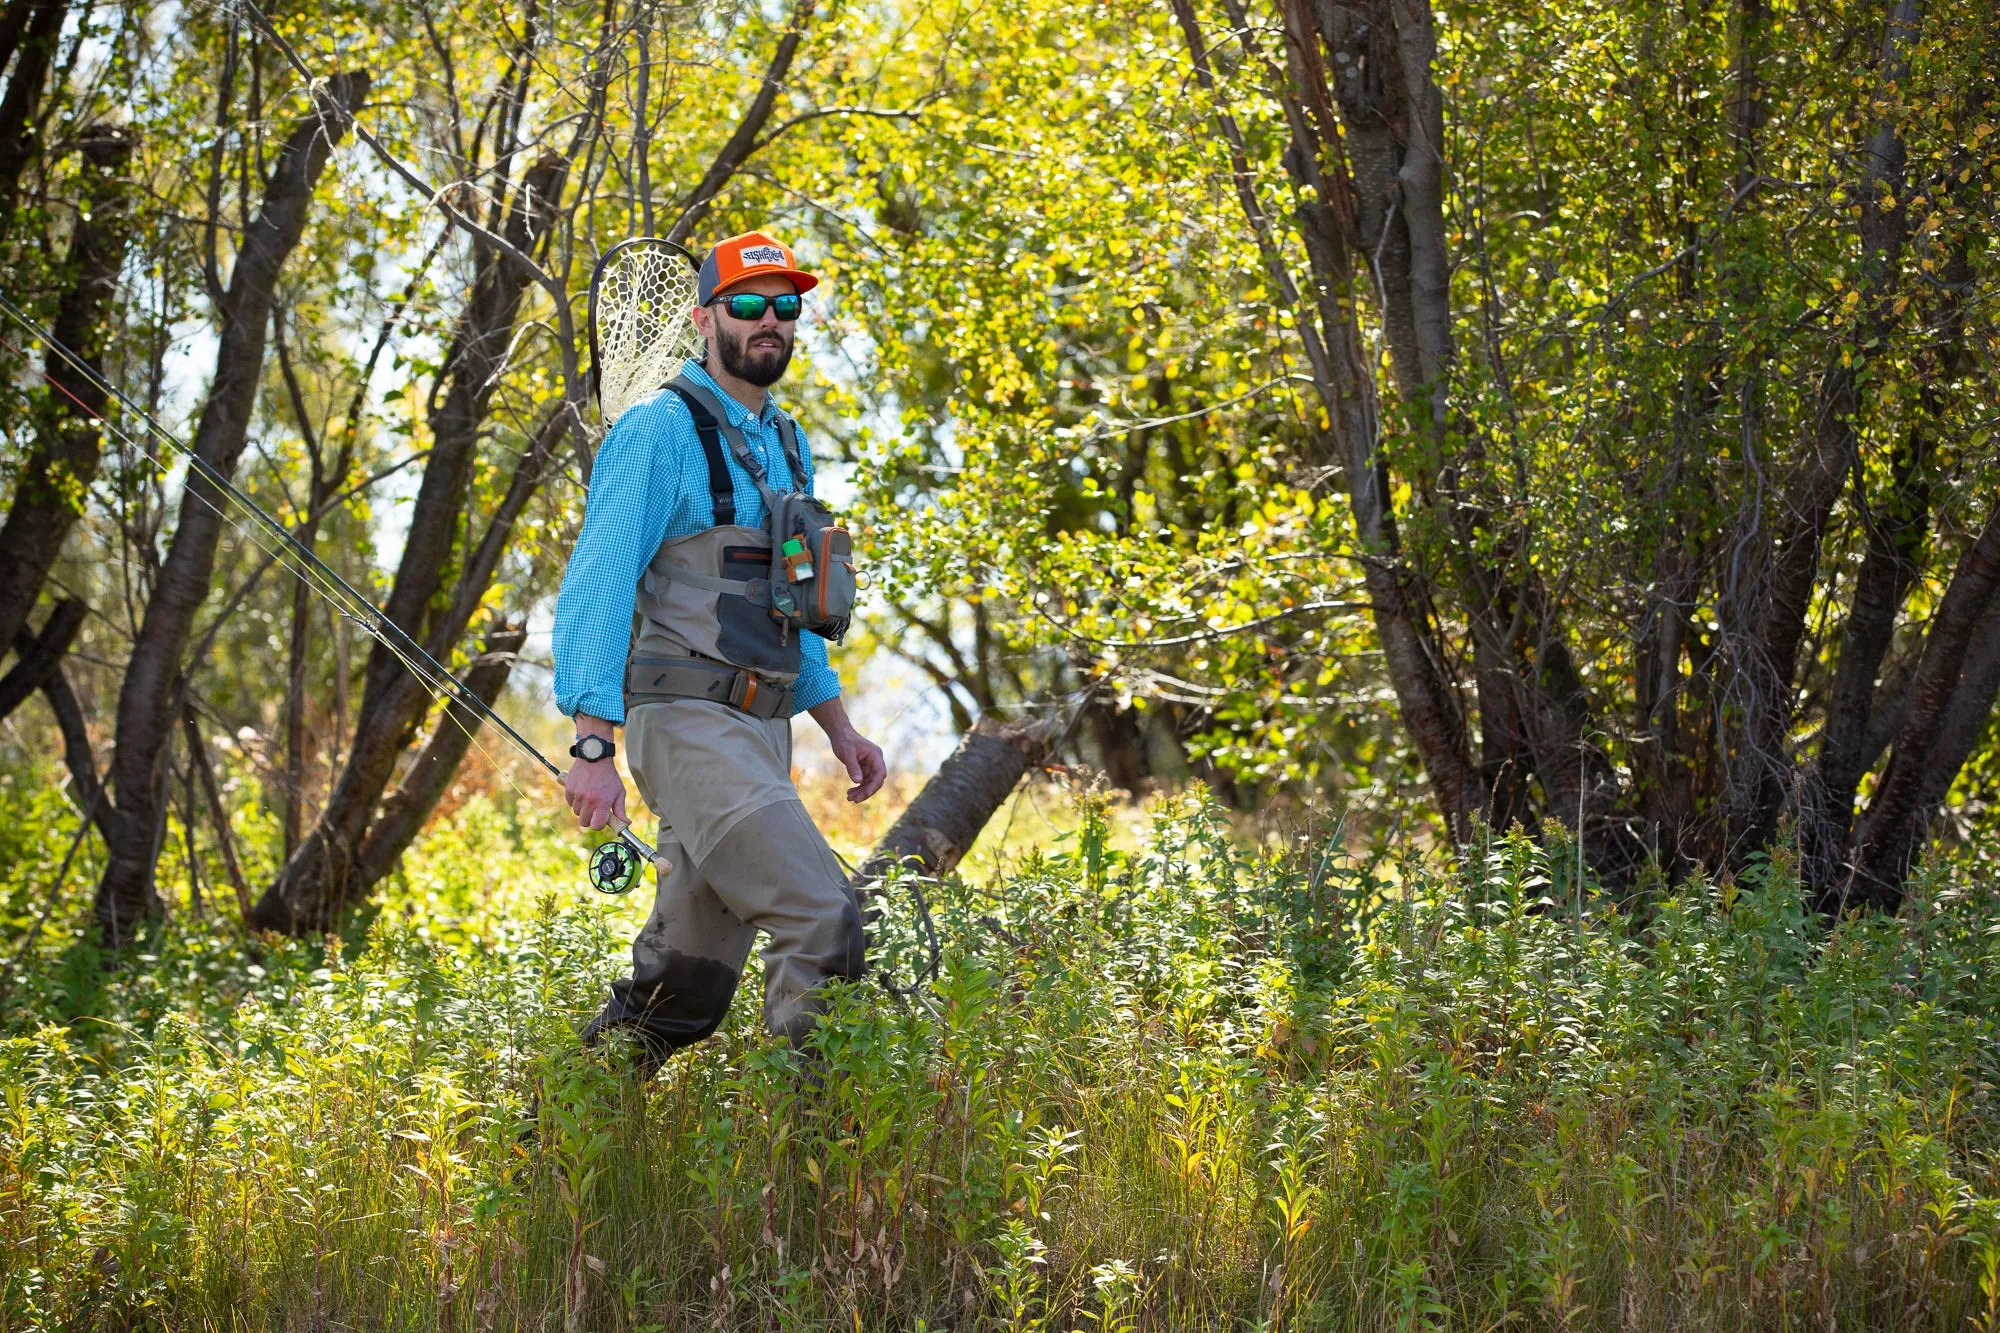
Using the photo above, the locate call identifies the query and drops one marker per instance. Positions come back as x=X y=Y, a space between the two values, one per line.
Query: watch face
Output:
x=590 y=749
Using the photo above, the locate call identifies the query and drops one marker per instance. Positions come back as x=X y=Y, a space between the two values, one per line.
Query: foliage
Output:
x=1079 y=442
x=1191 y=1085
x=1109 y=465
x=1072 y=391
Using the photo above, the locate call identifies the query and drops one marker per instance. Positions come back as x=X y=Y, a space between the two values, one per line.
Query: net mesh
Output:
x=639 y=306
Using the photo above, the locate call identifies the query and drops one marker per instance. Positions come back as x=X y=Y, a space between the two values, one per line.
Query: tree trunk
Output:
x=1664 y=755
x=39 y=32
x=58 y=472
x=40 y=654
x=76 y=738
x=938 y=828
x=1119 y=741
x=394 y=701
x=225 y=840
x=1330 y=330
x=1764 y=615
x=404 y=813
x=1531 y=696
x=13 y=23
x=145 y=719
x=1861 y=711
x=296 y=651
x=1951 y=698
x=1895 y=538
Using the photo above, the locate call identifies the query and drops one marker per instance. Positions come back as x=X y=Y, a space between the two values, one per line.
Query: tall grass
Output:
x=1194 y=1086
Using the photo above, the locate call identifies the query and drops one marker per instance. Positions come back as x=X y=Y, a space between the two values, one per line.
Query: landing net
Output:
x=640 y=329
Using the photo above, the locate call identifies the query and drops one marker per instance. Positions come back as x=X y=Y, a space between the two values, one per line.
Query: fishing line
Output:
x=314 y=572
x=274 y=557
x=443 y=684
x=613 y=866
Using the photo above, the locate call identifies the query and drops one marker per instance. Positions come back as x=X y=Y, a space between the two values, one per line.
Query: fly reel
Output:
x=615 y=867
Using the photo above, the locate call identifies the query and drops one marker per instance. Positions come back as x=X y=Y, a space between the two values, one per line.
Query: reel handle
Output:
x=615 y=865
x=623 y=828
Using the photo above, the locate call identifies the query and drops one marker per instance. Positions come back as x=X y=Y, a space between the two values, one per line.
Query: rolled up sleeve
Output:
x=817 y=681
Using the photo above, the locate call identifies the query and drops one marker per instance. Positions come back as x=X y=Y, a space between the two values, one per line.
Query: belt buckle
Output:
x=743 y=691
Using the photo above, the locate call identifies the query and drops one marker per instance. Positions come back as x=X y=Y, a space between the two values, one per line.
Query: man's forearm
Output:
x=587 y=725
x=831 y=715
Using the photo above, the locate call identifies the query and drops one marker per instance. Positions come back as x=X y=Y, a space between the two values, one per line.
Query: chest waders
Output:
x=717 y=621
x=717 y=613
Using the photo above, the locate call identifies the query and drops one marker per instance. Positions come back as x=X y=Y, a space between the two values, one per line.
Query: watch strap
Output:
x=576 y=748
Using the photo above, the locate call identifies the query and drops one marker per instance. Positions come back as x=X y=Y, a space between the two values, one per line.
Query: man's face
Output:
x=758 y=350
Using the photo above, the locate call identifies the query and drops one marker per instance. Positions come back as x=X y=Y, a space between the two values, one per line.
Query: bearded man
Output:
x=705 y=682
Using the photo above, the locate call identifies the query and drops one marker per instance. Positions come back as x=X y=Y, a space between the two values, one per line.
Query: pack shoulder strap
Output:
x=787 y=436
x=721 y=489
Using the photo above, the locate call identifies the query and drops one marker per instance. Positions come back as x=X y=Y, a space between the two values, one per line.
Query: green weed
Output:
x=1190 y=1086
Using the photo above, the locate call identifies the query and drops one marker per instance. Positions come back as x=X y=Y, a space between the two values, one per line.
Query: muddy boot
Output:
x=648 y=1052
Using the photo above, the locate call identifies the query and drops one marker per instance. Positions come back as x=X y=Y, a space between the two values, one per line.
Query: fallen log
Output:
x=937 y=829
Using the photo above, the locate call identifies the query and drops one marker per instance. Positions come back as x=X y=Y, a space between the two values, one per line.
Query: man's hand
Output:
x=861 y=757
x=595 y=791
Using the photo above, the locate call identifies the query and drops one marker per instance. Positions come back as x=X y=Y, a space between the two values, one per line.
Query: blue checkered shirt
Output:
x=650 y=485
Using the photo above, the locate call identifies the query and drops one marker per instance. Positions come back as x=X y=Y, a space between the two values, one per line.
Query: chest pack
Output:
x=718 y=612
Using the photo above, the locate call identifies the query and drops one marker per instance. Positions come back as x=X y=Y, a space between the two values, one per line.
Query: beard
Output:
x=761 y=366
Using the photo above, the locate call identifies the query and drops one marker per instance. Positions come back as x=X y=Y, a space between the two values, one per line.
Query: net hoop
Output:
x=640 y=330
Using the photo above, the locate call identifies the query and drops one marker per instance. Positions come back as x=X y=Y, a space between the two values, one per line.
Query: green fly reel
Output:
x=615 y=867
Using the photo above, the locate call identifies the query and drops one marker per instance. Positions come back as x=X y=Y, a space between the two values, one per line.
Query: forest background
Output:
x=1517 y=453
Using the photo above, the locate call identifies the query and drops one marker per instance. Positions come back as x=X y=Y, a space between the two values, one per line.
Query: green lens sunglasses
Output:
x=748 y=306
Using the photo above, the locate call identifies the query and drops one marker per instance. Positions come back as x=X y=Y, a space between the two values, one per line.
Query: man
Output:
x=745 y=856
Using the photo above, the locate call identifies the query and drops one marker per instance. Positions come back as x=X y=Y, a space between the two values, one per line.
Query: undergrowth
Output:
x=1194 y=1086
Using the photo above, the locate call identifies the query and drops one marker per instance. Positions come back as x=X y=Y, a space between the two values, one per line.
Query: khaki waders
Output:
x=708 y=736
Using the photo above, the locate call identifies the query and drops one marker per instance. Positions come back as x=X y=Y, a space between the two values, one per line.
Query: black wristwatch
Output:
x=591 y=749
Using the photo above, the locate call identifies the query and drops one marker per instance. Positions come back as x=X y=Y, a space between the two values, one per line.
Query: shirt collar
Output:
x=739 y=415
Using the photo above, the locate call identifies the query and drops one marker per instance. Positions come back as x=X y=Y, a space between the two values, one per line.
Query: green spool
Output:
x=614 y=867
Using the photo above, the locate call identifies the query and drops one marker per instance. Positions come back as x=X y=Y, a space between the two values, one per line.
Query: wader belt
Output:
x=657 y=679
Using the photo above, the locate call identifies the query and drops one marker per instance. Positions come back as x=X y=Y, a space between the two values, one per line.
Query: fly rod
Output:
x=614 y=865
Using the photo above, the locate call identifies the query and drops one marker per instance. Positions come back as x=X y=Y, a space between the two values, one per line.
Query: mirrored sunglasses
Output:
x=748 y=306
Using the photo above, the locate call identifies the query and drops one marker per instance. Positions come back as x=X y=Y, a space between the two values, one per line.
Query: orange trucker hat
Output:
x=751 y=255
